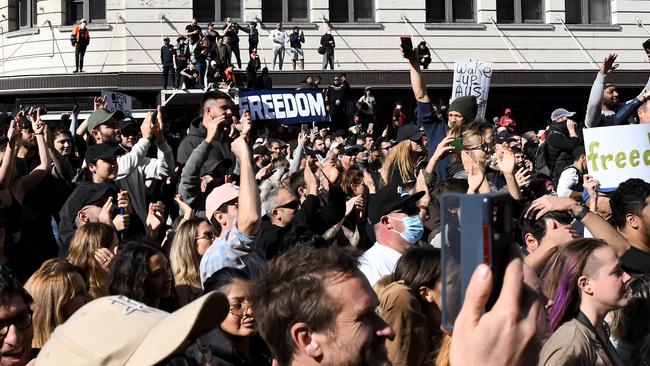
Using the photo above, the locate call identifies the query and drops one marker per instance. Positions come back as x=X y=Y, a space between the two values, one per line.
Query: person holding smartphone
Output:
x=327 y=42
x=561 y=139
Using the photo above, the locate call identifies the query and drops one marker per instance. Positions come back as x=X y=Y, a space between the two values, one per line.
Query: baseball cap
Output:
x=561 y=112
x=102 y=115
x=261 y=150
x=211 y=164
x=409 y=132
x=352 y=150
x=115 y=330
x=340 y=133
x=388 y=199
x=220 y=195
x=335 y=145
x=100 y=151
x=128 y=123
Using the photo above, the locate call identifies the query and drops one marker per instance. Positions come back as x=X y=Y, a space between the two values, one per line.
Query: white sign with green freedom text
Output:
x=618 y=153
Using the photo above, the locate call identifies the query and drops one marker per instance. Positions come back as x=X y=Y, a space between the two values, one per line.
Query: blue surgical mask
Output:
x=413 y=228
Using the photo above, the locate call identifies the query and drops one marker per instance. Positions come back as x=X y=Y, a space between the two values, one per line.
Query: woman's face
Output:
x=607 y=283
x=205 y=234
x=158 y=284
x=240 y=320
x=79 y=299
x=359 y=189
x=62 y=144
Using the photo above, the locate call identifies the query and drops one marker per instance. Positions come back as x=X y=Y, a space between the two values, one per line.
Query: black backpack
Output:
x=541 y=161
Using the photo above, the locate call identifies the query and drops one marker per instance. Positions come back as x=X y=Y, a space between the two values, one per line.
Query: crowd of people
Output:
x=254 y=244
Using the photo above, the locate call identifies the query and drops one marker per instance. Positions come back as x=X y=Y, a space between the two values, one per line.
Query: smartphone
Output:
x=475 y=229
x=457 y=144
x=407 y=45
x=304 y=128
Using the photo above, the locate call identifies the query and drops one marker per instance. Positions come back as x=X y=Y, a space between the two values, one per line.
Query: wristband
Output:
x=583 y=212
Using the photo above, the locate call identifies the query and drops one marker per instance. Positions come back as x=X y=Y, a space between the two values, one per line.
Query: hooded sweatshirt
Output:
x=220 y=146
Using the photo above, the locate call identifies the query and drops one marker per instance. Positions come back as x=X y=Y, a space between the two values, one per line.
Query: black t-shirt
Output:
x=194 y=37
x=636 y=261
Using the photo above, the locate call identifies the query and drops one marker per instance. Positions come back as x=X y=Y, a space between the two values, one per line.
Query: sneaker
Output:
x=76 y=71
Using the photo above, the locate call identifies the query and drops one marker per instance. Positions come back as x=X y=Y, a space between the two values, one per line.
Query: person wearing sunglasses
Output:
x=192 y=239
x=16 y=329
x=236 y=341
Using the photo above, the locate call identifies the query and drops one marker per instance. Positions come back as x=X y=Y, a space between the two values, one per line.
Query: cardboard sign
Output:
x=616 y=154
x=472 y=78
x=285 y=106
x=118 y=102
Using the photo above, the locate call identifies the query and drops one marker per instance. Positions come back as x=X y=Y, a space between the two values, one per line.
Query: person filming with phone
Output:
x=562 y=139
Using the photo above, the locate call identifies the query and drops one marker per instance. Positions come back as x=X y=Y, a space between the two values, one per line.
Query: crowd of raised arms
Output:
x=264 y=244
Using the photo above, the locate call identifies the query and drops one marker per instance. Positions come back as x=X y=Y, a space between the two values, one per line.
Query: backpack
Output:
x=541 y=163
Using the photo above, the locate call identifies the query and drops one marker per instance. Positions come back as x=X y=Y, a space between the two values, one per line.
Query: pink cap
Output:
x=220 y=195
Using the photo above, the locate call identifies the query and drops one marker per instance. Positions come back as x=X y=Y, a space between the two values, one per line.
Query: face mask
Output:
x=83 y=25
x=413 y=228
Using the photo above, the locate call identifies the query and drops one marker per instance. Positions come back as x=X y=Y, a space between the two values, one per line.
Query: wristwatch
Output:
x=583 y=212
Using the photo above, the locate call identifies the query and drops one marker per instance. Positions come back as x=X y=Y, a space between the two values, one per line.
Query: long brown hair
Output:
x=86 y=240
x=51 y=286
x=183 y=255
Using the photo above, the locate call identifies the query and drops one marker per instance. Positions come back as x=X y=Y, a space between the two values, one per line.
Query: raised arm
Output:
x=249 y=215
x=594 y=106
x=417 y=82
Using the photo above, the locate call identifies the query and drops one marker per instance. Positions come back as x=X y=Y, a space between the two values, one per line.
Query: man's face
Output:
x=359 y=334
x=610 y=96
x=644 y=221
x=385 y=149
x=107 y=132
x=368 y=143
x=336 y=81
x=105 y=169
x=647 y=53
x=454 y=118
x=217 y=108
x=17 y=343
x=319 y=145
x=194 y=21
x=278 y=26
x=288 y=205
x=296 y=30
x=276 y=150
x=28 y=137
x=129 y=137
x=519 y=159
x=348 y=162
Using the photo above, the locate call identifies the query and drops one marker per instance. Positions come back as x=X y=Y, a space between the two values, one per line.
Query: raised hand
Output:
x=523 y=177
x=185 y=209
x=146 y=128
x=155 y=216
x=106 y=214
x=104 y=257
x=99 y=102
x=608 y=66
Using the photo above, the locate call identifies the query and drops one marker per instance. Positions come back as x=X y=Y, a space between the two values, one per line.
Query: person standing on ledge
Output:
x=80 y=39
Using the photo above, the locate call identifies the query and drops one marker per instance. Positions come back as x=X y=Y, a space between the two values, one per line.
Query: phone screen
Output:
x=407 y=45
x=457 y=144
x=475 y=229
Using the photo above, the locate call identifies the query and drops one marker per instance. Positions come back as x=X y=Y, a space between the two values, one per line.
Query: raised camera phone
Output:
x=407 y=45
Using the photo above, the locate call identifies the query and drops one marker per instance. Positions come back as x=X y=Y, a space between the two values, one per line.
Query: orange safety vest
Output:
x=76 y=33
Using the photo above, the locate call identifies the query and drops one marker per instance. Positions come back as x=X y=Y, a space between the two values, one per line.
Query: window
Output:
x=587 y=11
x=216 y=10
x=519 y=11
x=287 y=11
x=449 y=11
x=91 y=10
x=22 y=14
x=348 y=11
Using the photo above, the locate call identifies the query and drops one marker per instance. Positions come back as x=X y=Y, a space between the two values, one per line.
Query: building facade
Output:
x=524 y=35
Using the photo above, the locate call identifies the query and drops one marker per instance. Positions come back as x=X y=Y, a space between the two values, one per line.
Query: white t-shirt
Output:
x=377 y=262
x=279 y=36
x=567 y=182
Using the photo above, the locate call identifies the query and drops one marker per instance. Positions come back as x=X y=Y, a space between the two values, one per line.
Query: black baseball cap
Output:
x=211 y=164
x=389 y=199
x=261 y=150
x=351 y=150
x=409 y=132
x=128 y=123
x=101 y=151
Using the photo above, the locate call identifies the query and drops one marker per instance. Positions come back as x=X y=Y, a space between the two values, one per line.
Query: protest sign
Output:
x=472 y=78
x=615 y=154
x=285 y=106
x=117 y=102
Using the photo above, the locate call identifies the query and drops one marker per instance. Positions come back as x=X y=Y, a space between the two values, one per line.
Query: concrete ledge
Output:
x=526 y=26
x=359 y=25
x=456 y=26
x=22 y=32
x=594 y=27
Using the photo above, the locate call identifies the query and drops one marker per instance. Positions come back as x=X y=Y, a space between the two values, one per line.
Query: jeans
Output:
x=328 y=58
x=79 y=53
x=278 y=52
x=200 y=67
x=234 y=47
x=168 y=70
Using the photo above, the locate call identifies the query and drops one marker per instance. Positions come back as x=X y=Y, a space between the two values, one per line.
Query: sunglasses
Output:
x=210 y=235
x=292 y=205
x=484 y=147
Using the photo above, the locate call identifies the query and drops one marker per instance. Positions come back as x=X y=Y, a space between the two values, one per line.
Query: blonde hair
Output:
x=400 y=157
x=51 y=286
x=183 y=255
x=86 y=240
